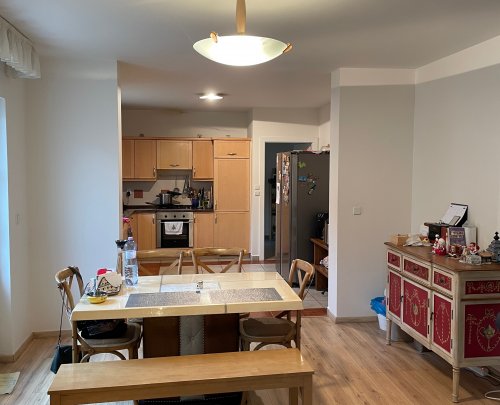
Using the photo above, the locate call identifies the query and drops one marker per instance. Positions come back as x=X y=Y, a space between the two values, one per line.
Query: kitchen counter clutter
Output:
x=449 y=307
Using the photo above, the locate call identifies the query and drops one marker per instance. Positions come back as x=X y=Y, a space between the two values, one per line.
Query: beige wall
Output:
x=456 y=149
x=171 y=123
x=371 y=168
x=15 y=281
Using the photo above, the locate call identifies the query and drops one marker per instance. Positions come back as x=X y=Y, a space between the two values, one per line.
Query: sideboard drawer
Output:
x=417 y=270
x=393 y=260
x=443 y=281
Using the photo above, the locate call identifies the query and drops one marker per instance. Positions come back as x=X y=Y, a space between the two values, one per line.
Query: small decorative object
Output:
x=439 y=247
x=485 y=256
x=473 y=248
x=399 y=239
x=473 y=259
x=494 y=248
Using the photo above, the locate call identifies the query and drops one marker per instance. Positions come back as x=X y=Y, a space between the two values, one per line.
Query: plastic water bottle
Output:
x=130 y=269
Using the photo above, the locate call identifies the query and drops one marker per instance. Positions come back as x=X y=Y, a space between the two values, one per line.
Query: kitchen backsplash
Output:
x=147 y=191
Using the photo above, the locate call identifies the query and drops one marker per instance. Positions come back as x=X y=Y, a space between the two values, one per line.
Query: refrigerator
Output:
x=302 y=182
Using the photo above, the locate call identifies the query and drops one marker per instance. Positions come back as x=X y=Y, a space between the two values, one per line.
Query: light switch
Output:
x=257 y=193
x=356 y=210
x=256 y=187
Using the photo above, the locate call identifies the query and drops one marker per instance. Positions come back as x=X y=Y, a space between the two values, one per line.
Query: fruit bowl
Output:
x=96 y=297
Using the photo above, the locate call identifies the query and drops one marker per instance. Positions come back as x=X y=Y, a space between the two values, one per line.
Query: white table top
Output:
x=115 y=306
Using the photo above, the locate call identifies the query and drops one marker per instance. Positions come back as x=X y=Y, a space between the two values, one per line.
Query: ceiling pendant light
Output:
x=240 y=49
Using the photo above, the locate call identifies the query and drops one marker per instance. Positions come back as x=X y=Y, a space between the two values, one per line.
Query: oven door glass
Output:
x=171 y=240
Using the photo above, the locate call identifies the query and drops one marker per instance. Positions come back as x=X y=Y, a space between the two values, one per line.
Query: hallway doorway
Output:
x=272 y=148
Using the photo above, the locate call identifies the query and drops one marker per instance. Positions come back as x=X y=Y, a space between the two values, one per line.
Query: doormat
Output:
x=8 y=382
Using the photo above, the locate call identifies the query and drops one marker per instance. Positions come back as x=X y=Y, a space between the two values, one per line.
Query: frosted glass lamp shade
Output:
x=240 y=50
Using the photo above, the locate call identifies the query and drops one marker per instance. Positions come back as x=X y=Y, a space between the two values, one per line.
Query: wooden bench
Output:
x=110 y=381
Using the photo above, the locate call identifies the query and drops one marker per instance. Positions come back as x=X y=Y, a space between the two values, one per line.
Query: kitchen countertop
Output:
x=151 y=208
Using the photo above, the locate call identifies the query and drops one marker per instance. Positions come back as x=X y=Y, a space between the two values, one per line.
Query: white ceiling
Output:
x=153 y=40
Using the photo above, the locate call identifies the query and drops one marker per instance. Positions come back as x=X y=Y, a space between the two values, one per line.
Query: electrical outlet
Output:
x=128 y=193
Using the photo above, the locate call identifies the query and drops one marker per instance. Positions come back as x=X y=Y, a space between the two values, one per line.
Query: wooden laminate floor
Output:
x=351 y=361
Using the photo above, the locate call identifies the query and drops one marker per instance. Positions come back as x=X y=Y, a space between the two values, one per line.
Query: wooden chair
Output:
x=130 y=340
x=280 y=330
x=173 y=257
x=234 y=254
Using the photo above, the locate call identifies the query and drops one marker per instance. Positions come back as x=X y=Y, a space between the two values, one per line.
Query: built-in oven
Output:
x=174 y=229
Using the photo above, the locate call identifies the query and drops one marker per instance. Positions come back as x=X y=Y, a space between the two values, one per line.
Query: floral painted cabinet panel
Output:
x=481 y=329
x=416 y=307
x=394 y=294
x=442 y=317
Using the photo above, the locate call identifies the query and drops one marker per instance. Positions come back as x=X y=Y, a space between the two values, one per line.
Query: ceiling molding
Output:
x=372 y=77
x=476 y=57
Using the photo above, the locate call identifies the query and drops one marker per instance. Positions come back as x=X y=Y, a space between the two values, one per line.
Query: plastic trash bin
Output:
x=378 y=305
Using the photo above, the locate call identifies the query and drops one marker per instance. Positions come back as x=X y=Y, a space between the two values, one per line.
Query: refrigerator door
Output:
x=277 y=236
x=287 y=205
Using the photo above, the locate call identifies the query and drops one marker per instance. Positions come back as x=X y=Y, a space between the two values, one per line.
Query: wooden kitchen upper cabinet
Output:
x=203 y=160
x=232 y=184
x=203 y=229
x=174 y=154
x=139 y=159
x=232 y=148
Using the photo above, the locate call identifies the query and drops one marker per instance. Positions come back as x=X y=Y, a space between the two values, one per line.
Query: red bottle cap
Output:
x=102 y=271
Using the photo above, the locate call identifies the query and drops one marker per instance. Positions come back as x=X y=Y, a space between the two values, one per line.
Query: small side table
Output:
x=320 y=252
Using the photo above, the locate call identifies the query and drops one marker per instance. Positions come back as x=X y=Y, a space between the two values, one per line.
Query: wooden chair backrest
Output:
x=234 y=254
x=173 y=256
x=305 y=272
x=64 y=279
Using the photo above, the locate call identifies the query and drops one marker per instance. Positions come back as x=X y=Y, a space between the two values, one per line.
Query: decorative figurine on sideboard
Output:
x=439 y=246
x=494 y=248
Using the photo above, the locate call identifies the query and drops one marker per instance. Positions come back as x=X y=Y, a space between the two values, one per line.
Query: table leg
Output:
x=456 y=383
x=307 y=391
x=74 y=334
x=293 y=396
x=388 y=332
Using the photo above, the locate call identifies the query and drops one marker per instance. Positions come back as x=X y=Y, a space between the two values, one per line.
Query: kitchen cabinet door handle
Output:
x=154 y=171
x=194 y=171
x=174 y=165
x=232 y=154
x=215 y=218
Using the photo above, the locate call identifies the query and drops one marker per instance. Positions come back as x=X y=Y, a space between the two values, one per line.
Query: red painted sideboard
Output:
x=449 y=307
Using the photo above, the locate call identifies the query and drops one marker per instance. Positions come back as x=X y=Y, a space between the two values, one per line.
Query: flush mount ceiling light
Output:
x=211 y=96
x=240 y=49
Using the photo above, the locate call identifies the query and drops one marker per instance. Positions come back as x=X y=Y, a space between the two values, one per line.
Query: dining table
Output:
x=188 y=296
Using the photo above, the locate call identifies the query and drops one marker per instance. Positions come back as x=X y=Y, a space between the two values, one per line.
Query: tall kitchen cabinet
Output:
x=232 y=193
x=139 y=159
x=449 y=307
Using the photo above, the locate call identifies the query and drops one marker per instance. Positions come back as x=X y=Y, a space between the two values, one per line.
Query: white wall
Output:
x=274 y=125
x=456 y=149
x=324 y=129
x=73 y=176
x=371 y=164
x=171 y=123
x=14 y=266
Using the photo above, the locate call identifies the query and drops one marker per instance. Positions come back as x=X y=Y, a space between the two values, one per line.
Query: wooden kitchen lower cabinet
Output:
x=232 y=229
x=449 y=307
x=143 y=230
x=203 y=229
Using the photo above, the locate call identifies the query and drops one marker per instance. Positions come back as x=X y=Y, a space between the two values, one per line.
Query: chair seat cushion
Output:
x=265 y=327
x=132 y=333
